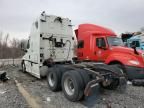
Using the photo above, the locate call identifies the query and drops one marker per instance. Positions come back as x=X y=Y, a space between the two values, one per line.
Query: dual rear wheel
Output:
x=71 y=82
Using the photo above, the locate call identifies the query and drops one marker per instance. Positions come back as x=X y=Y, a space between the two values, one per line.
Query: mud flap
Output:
x=94 y=96
x=90 y=85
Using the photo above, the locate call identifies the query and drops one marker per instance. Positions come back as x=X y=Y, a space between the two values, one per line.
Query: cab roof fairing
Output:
x=93 y=30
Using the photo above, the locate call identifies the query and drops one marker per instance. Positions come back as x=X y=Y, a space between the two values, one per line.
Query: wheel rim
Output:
x=69 y=86
x=51 y=79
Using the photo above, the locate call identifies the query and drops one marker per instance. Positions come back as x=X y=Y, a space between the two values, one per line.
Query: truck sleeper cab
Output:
x=51 y=38
x=99 y=44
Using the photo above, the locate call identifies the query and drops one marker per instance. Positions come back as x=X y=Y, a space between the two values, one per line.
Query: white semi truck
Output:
x=50 y=52
x=51 y=37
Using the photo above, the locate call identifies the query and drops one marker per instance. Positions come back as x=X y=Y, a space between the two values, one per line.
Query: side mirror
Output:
x=25 y=50
x=133 y=46
x=135 y=51
x=22 y=48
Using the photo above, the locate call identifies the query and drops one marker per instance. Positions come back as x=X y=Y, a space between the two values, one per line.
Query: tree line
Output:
x=10 y=48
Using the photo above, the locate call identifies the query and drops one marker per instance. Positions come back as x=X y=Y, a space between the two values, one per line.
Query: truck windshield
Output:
x=115 y=41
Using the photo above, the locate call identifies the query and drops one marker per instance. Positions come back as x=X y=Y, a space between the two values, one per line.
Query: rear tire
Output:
x=84 y=75
x=54 y=79
x=122 y=70
x=115 y=81
x=121 y=67
x=113 y=85
x=72 y=85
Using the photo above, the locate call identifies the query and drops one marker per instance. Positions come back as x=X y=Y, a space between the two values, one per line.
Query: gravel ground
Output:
x=10 y=96
x=133 y=97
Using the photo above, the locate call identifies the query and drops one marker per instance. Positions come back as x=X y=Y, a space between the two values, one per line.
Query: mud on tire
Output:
x=54 y=79
x=72 y=85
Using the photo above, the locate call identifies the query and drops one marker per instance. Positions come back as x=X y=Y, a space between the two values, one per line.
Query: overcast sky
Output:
x=16 y=16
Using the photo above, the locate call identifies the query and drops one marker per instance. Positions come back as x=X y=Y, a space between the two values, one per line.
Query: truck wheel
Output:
x=114 y=83
x=54 y=79
x=85 y=76
x=72 y=85
x=122 y=70
x=112 y=86
x=23 y=66
x=121 y=67
x=63 y=69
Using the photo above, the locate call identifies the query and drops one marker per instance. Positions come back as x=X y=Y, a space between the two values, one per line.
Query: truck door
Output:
x=27 y=57
x=101 y=49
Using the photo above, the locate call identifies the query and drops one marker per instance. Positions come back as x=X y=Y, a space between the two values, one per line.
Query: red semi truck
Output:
x=96 y=43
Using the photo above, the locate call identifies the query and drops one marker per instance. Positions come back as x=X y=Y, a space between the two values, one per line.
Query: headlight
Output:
x=134 y=62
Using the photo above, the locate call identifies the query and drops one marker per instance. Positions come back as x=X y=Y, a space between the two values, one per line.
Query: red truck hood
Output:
x=124 y=49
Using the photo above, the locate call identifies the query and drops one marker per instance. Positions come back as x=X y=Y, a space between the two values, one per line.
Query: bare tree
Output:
x=9 y=48
x=5 y=48
x=5 y=42
x=1 y=34
x=16 y=48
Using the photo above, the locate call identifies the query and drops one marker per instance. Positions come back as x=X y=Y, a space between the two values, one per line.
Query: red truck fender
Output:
x=120 y=59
